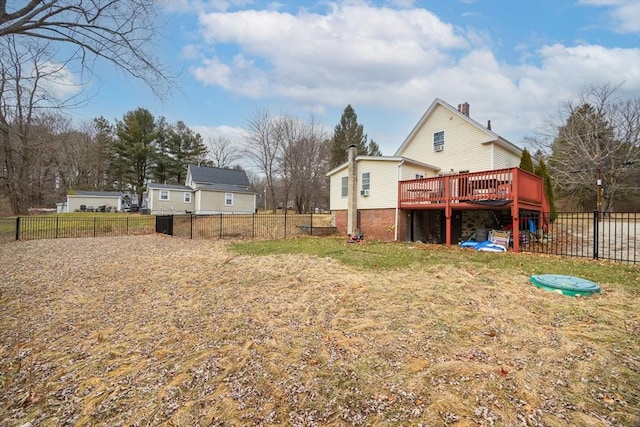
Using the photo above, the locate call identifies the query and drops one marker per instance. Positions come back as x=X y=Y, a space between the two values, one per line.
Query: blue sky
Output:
x=514 y=61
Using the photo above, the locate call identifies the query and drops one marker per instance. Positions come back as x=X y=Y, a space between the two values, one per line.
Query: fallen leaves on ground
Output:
x=154 y=330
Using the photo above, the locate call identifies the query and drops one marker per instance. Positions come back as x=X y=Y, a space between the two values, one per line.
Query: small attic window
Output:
x=438 y=141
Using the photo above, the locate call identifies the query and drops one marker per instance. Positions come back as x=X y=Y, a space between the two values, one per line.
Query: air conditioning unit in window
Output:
x=438 y=148
x=364 y=193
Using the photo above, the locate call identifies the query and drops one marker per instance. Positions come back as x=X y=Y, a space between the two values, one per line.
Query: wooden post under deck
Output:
x=447 y=210
x=515 y=213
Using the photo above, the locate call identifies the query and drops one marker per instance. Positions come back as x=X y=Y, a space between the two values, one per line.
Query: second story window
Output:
x=344 y=185
x=438 y=141
x=187 y=197
x=228 y=199
x=164 y=195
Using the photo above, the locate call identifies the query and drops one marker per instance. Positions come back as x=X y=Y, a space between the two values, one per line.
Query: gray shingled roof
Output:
x=206 y=175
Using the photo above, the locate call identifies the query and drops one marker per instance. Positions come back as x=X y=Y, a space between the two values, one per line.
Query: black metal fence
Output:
x=594 y=235
x=56 y=227
x=222 y=226
x=239 y=226
x=610 y=236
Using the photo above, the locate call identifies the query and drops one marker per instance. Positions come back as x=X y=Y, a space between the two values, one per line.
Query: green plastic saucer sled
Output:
x=566 y=285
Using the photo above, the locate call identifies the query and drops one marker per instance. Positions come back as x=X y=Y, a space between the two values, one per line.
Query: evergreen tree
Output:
x=185 y=147
x=525 y=161
x=135 y=149
x=373 y=149
x=542 y=171
x=348 y=132
x=178 y=146
x=162 y=160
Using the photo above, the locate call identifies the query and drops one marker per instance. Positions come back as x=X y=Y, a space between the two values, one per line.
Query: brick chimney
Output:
x=464 y=108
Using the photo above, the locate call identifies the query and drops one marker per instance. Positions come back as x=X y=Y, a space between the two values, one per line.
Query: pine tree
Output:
x=348 y=132
x=525 y=161
x=135 y=149
x=542 y=171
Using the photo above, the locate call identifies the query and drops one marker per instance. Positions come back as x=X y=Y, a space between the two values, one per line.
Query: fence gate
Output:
x=164 y=224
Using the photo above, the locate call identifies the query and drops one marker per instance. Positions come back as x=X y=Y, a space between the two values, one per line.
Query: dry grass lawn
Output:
x=154 y=330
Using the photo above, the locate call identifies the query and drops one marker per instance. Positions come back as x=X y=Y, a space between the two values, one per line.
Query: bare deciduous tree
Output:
x=120 y=32
x=293 y=155
x=26 y=71
x=40 y=44
x=222 y=152
x=304 y=162
x=262 y=149
x=593 y=148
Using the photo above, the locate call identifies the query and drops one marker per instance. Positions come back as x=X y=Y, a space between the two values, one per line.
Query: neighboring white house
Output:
x=79 y=200
x=206 y=191
x=445 y=141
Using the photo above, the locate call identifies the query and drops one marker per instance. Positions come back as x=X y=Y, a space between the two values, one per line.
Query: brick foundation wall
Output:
x=375 y=224
x=340 y=222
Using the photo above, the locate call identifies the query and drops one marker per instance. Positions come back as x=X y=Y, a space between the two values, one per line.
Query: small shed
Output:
x=80 y=200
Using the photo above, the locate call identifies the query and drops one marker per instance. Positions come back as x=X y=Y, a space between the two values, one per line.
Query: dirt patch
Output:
x=155 y=330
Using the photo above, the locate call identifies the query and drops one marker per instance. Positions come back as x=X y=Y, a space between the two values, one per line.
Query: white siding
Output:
x=504 y=159
x=74 y=202
x=409 y=171
x=213 y=202
x=336 y=201
x=175 y=204
x=463 y=149
x=383 y=191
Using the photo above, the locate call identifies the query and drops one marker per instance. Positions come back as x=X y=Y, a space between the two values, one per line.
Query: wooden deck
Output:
x=511 y=188
x=474 y=190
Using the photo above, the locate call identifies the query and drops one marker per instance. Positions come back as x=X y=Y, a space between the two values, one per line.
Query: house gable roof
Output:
x=493 y=137
x=396 y=159
x=207 y=175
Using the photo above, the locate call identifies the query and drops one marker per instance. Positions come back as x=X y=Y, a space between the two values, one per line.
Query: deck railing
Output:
x=501 y=184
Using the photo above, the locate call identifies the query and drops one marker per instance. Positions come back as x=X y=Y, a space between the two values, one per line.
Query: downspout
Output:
x=352 y=196
x=395 y=226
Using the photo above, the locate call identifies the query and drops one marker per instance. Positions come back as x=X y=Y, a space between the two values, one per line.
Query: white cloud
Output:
x=398 y=61
x=234 y=134
x=58 y=80
x=308 y=52
x=624 y=14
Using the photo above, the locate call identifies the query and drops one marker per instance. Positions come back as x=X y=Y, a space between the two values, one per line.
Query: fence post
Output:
x=191 y=226
x=253 y=226
x=220 y=225
x=311 y=226
x=18 y=228
x=57 y=223
x=596 y=244
x=285 y=222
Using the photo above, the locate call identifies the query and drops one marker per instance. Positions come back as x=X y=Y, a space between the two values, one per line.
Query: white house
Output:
x=450 y=176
